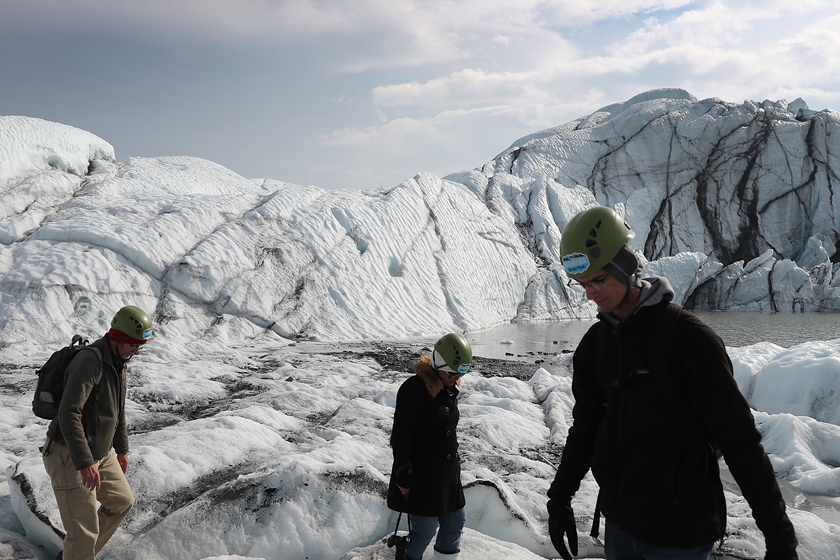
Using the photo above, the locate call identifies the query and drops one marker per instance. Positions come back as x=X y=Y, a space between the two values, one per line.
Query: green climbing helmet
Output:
x=452 y=353
x=134 y=323
x=592 y=239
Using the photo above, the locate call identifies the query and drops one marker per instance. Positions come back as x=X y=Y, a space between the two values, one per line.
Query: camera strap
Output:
x=399 y=517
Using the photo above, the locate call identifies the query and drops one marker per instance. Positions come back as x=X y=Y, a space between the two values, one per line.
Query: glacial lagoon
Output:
x=532 y=340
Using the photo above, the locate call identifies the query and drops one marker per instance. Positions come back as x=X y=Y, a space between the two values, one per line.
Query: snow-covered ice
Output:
x=290 y=458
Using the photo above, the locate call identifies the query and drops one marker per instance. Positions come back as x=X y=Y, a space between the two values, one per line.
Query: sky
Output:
x=367 y=93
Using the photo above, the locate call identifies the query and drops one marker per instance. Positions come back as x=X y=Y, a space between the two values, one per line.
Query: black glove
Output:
x=561 y=521
x=781 y=541
x=787 y=554
x=405 y=475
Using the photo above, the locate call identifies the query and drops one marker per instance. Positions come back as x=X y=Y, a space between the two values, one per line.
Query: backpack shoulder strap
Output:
x=98 y=353
x=676 y=396
x=95 y=392
x=660 y=352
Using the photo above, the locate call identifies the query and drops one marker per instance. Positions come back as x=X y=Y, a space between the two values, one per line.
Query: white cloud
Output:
x=482 y=36
x=400 y=75
x=751 y=48
x=731 y=50
x=379 y=33
x=468 y=87
x=398 y=130
x=386 y=154
x=592 y=11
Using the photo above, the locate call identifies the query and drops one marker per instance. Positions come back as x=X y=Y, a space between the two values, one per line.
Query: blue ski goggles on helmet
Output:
x=462 y=369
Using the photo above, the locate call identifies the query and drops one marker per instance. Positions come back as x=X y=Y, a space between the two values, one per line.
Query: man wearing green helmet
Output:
x=86 y=452
x=654 y=397
x=426 y=474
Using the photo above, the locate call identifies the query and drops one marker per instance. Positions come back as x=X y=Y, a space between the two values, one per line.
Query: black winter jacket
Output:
x=425 y=446
x=650 y=447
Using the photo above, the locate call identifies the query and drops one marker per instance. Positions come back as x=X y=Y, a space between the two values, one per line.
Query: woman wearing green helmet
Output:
x=426 y=474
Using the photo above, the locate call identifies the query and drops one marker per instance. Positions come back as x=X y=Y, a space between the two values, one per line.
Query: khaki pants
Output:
x=87 y=529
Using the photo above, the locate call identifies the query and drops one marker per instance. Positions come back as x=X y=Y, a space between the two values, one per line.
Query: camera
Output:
x=401 y=542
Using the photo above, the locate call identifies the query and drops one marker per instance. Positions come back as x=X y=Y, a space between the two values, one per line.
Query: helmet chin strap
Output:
x=627 y=293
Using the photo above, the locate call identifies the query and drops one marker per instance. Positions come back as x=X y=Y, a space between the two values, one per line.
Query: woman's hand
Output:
x=404 y=491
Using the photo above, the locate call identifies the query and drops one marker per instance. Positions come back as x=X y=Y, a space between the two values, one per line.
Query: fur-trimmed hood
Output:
x=423 y=368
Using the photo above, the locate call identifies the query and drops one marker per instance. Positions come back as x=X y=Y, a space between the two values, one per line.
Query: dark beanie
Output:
x=625 y=266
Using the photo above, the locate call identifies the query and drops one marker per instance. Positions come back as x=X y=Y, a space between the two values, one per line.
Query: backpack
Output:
x=50 y=385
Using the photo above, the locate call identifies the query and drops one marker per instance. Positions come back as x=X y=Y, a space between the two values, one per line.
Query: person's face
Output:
x=447 y=379
x=126 y=351
x=607 y=292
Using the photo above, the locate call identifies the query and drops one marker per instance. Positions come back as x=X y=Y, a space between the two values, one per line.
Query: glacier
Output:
x=287 y=316
x=735 y=201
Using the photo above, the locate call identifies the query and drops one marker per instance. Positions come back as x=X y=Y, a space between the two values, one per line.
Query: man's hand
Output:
x=90 y=478
x=561 y=522
x=122 y=459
